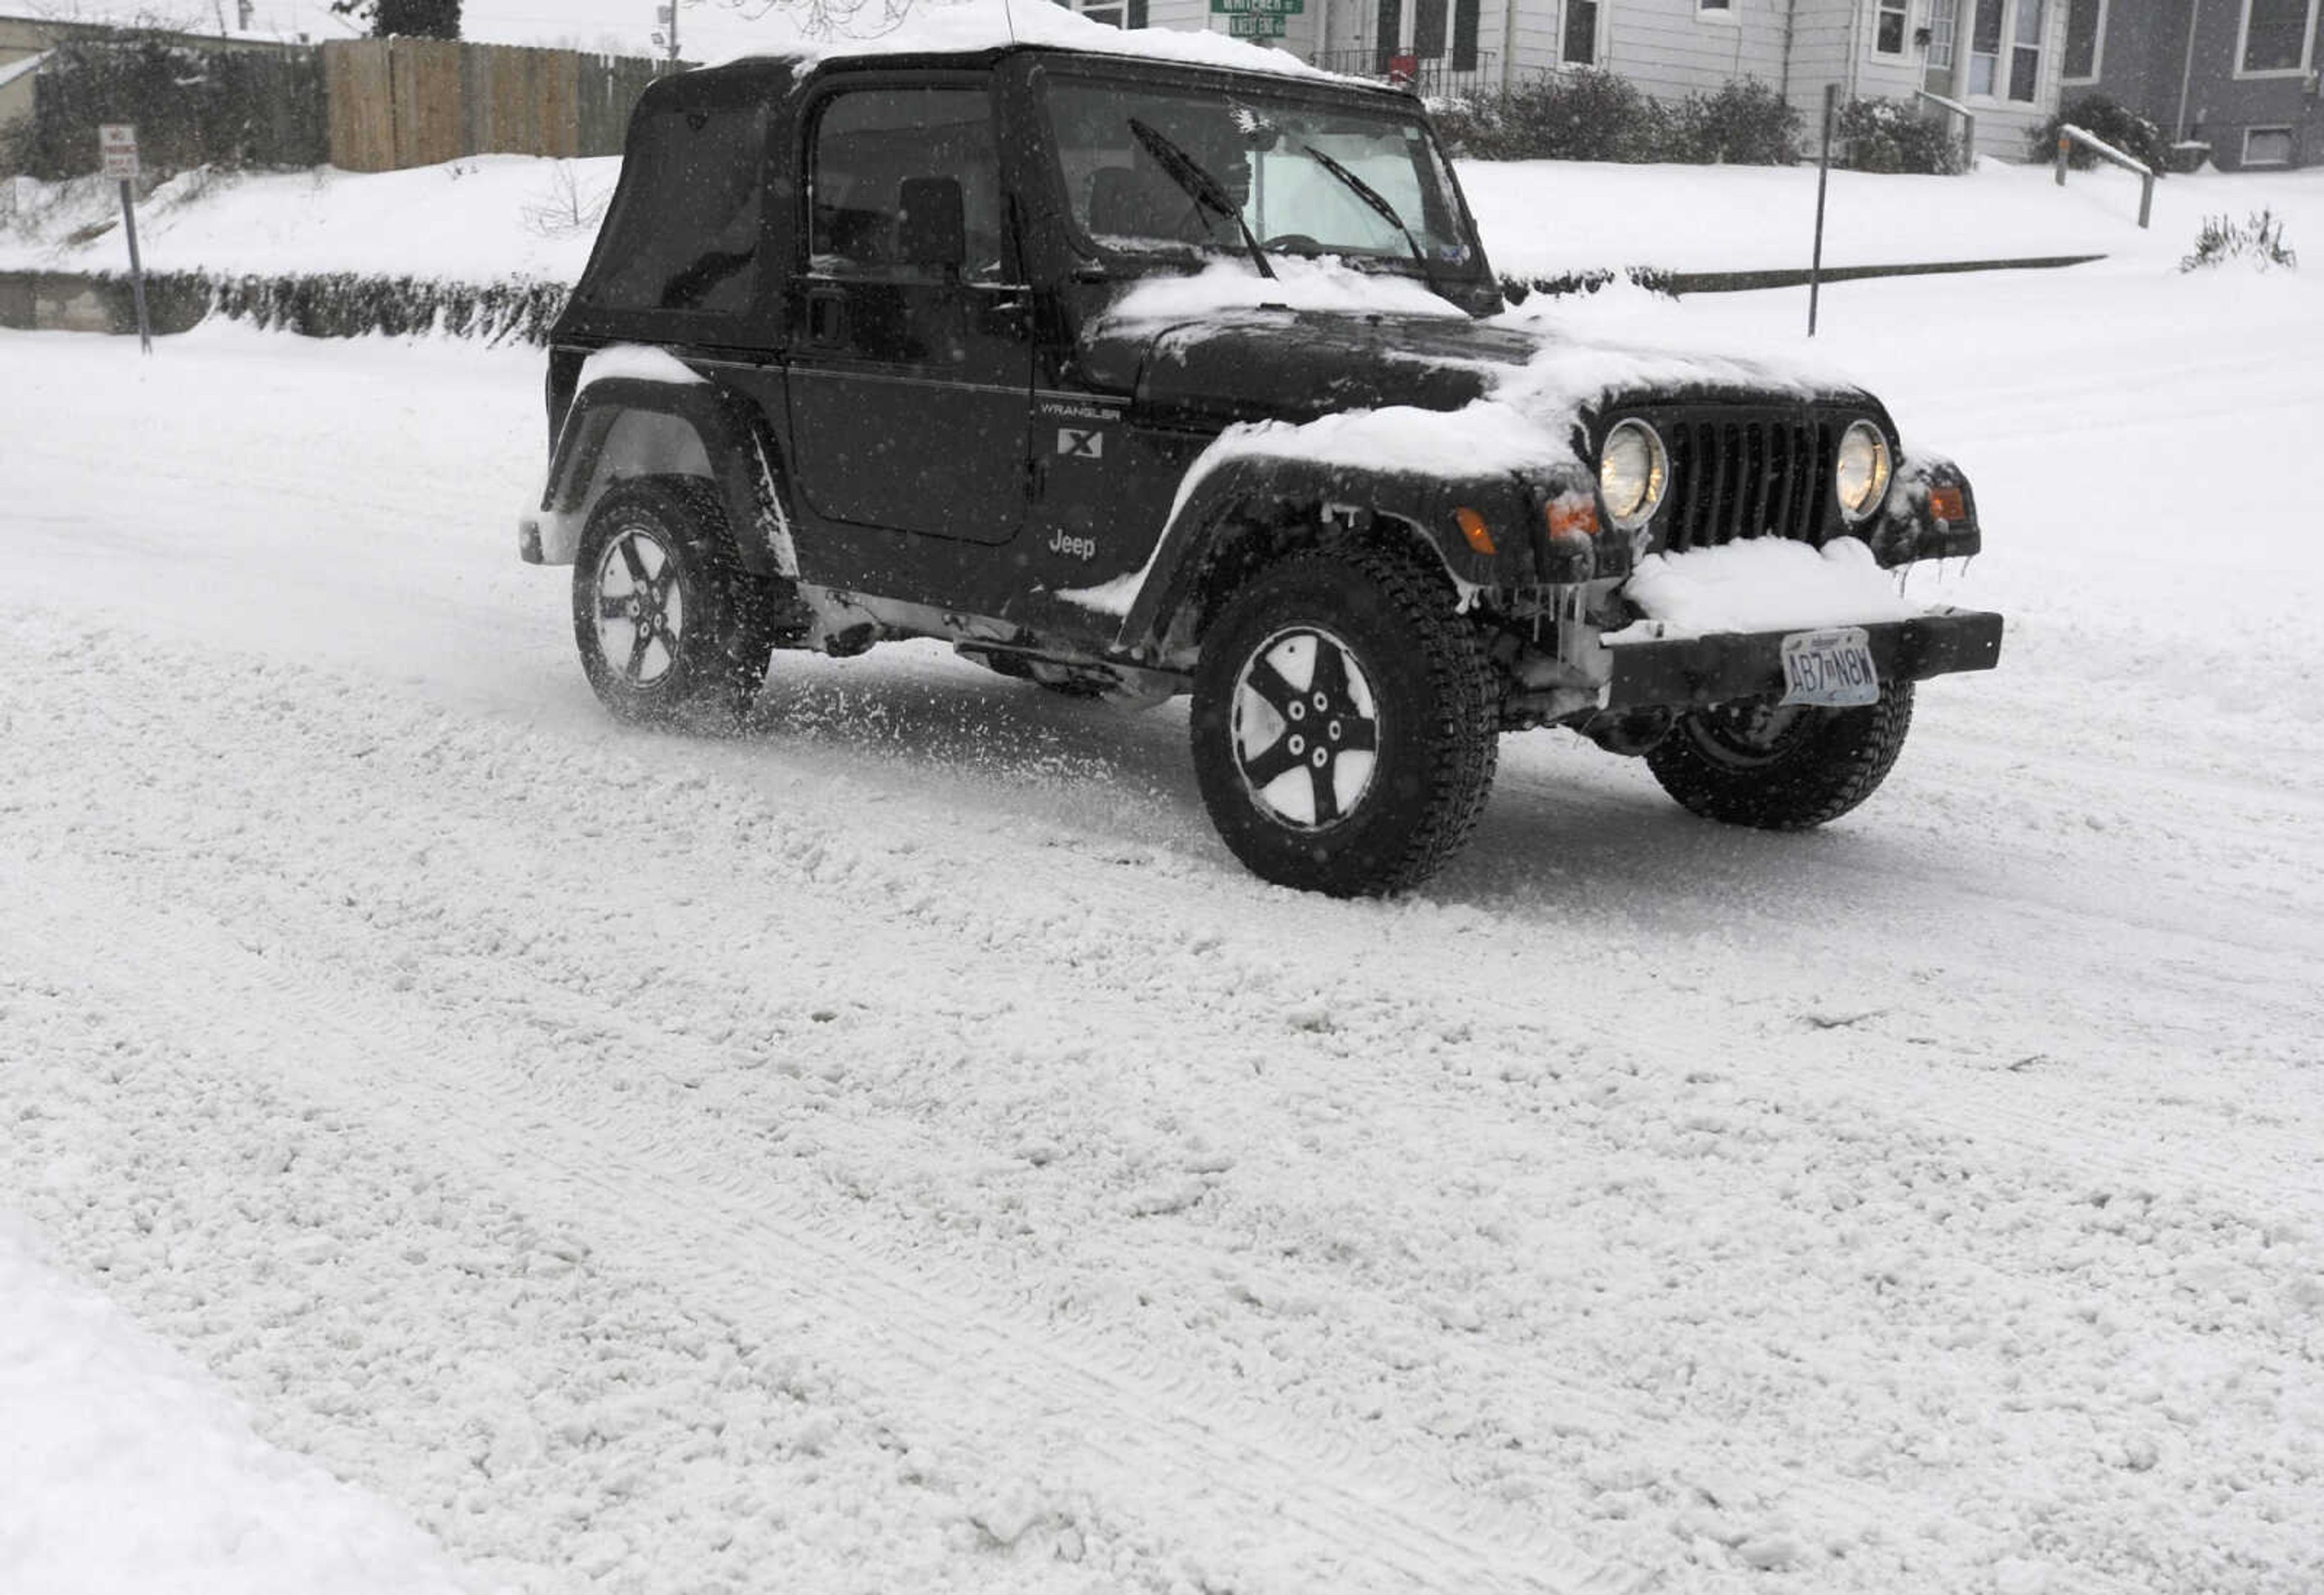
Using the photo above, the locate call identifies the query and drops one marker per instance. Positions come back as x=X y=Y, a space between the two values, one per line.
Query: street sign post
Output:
x=116 y=147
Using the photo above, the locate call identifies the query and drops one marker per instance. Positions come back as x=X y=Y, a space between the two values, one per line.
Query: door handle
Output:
x=1007 y=309
x=826 y=317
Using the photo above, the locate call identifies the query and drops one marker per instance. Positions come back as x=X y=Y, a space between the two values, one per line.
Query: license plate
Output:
x=1830 y=669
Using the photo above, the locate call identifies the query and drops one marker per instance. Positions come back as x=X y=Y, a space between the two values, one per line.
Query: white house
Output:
x=2005 y=59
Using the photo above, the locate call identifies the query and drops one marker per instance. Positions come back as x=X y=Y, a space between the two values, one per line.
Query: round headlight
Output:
x=1632 y=472
x=1861 y=474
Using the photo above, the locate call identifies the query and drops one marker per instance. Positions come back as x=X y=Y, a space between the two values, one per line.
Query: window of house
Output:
x=1580 y=47
x=2005 y=48
x=1941 y=34
x=1112 y=13
x=1889 y=27
x=2267 y=146
x=1985 y=45
x=2085 y=38
x=2026 y=54
x=1716 y=10
x=2277 y=37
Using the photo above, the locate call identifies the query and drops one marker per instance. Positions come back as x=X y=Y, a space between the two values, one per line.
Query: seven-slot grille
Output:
x=1740 y=478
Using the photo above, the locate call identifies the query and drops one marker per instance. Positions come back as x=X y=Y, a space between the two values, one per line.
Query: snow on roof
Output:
x=23 y=69
x=963 y=25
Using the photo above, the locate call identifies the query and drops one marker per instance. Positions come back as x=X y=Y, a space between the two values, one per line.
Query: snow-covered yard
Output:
x=898 y=1149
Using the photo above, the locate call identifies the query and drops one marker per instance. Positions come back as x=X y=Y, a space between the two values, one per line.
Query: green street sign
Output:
x=1256 y=24
x=1269 y=8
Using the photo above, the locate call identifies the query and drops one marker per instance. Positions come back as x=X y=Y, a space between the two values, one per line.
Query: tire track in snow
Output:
x=1319 y=1510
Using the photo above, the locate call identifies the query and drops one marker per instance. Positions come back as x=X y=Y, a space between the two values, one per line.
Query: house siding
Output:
x=1669 y=50
x=2146 y=61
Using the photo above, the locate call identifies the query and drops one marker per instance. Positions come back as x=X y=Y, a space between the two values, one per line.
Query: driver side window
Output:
x=870 y=144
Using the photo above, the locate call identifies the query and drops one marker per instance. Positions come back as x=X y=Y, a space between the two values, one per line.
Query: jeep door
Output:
x=911 y=374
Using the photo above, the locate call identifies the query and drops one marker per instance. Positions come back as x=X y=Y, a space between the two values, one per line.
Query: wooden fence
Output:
x=397 y=103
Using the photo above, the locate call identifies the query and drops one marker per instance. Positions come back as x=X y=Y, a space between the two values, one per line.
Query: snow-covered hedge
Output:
x=345 y=305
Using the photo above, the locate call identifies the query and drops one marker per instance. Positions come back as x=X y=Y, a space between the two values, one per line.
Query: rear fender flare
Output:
x=623 y=428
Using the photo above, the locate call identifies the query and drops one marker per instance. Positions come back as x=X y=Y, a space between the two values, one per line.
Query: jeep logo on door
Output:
x=1081 y=443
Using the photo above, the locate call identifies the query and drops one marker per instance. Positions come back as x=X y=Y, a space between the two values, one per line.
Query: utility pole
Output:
x=668 y=16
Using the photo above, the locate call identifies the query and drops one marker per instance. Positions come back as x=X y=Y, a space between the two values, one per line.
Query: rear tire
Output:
x=671 y=629
x=1782 y=769
x=1345 y=723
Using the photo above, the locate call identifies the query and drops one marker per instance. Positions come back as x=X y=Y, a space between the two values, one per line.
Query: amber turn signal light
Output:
x=1946 y=503
x=1473 y=528
x=1573 y=517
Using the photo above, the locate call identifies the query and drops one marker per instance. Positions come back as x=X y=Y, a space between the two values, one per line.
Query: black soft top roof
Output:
x=757 y=76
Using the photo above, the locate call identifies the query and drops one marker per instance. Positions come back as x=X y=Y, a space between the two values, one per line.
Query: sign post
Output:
x=1823 y=178
x=117 y=141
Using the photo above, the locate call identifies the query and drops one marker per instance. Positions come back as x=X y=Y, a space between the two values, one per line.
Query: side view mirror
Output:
x=932 y=229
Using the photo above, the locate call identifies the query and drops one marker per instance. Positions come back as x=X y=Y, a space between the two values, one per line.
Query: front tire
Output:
x=1344 y=722
x=1779 y=768
x=670 y=628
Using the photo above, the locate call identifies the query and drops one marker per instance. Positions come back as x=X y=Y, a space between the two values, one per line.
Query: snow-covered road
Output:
x=898 y=1148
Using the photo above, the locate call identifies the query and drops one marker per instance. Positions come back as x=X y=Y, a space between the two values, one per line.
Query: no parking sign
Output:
x=116 y=145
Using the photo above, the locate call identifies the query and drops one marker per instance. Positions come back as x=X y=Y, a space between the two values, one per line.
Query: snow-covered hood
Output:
x=1268 y=363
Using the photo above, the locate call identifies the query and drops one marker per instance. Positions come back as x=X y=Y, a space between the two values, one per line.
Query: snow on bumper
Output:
x=1724 y=667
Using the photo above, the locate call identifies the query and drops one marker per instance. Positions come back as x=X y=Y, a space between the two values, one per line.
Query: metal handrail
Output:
x=1969 y=124
x=2069 y=135
x=1436 y=74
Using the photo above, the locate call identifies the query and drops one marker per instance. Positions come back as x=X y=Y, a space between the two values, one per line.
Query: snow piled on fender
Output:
x=1763 y=585
x=637 y=362
x=127 y=1471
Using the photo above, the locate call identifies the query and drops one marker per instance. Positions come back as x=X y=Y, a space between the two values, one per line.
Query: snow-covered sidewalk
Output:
x=127 y=1471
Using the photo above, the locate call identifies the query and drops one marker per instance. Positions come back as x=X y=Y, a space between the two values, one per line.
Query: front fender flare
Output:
x=1215 y=500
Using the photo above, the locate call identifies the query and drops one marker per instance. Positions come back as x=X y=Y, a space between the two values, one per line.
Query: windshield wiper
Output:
x=1371 y=196
x=1205 y=189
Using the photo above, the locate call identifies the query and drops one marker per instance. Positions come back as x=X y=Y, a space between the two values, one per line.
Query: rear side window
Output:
x=685 y=236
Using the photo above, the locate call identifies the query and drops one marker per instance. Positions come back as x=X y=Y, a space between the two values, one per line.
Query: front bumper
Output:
x=1725 y=667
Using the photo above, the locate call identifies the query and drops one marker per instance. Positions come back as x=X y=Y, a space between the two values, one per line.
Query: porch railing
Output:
x=1968 y=118
x=1460 y=72
x=2069 y=136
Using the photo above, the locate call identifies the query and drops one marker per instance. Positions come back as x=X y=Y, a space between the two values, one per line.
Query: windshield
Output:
x=1264 y=153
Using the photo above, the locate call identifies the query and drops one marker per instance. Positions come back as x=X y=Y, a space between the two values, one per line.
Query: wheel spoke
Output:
x=635 y=562
x=613 y=609
x=637 y=664
x=1330 y=672
x=1358 y=735
x=1327 y=797
x=1268 y=681
x=1265 y=767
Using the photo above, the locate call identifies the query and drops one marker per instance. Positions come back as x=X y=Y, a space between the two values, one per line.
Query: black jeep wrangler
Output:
x=1131 y=376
